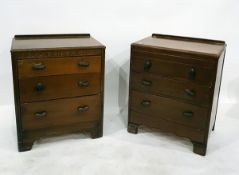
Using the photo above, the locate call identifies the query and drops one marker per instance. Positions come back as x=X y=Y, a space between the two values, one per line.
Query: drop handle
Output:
x=38 y=66
x=146 y=83
x=147 y=65
x=40 y=114
x=83 y=83
x=188 y=114
x=192 y=74
x=190 y=92
x=83 y=63
x=83 y=108
x=146 y=103
x=39 y=87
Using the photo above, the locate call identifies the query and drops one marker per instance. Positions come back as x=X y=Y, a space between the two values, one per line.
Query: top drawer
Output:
x=57 y=66
x=173 y=69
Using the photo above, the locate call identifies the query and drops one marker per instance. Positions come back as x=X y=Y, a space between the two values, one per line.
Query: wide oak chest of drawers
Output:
x=58 y=86
x=174 y=86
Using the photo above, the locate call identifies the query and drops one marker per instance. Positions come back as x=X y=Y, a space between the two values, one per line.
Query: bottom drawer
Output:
x=60 y=112
x=169 y=109
x=168 y=126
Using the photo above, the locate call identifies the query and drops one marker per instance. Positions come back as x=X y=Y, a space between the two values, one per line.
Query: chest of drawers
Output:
x=174 y=86
x=58 y=86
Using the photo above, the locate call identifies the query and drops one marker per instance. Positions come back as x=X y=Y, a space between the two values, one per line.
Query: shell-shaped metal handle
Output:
x=83 y=108
x=83 y=63
x=145 y=103
x=40 y=114
x=190 y=92
x=83 y=83
x=38 y=66
x=188 y=114
x=146 y=83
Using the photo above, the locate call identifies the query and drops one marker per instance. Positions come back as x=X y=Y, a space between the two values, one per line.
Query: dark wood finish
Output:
x=59 y=66
x=184 y=44
x=55 y=41
x=58 y=86
x=171 y=69
x=60 y=112
x=166 y=125
x=184 y=90
x=174 y=86
x=173 y=110
x=173 y=56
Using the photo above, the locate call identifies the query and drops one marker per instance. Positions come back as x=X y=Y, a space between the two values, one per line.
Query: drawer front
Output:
x=175 y=70
x=187 y=58
x=169 y=109
x=60 y=112
x=184 y=90
x=58 y=66
x=167 y=126
x=60 y=86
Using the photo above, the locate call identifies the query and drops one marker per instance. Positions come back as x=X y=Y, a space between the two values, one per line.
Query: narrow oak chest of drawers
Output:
x=58 y=86
x=174 y=86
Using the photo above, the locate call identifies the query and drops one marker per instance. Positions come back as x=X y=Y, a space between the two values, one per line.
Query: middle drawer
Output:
x=59 y=86
x=185 y=90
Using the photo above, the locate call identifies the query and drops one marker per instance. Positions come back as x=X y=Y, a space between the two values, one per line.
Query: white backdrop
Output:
x=117 y=24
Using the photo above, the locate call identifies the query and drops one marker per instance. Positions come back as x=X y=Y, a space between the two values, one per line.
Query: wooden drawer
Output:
x=60 y=112
x=192 y=59
x=58 y=66
x=167 y=126
x=185 y=90
x=172 y=110
x=59 y=86
x=172 y=69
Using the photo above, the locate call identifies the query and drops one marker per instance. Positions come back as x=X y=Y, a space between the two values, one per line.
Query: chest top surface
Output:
x=183 y=44
x=54 y=41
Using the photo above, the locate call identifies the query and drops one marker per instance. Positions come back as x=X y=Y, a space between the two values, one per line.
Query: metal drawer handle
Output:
x=38 y=66
x=190 y=92
x=192 y=74
x=83 y=108
x=83 y=63
x=83 y=83
x=146 y=103
x=39 y=87
x=146 y=83
x=188 y=114
x=147 y=65
x=40 y=114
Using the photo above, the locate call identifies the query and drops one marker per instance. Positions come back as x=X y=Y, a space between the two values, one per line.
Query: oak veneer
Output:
x=174 y=86
x=58 y=86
